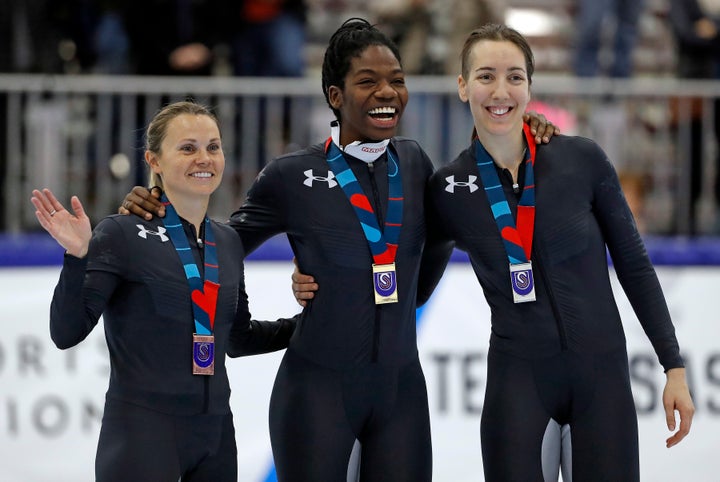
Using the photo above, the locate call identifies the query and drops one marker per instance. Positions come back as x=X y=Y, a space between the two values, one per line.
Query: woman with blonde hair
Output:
x=172 y=296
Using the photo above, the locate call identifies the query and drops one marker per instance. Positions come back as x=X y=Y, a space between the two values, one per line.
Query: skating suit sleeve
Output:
x=632 y=263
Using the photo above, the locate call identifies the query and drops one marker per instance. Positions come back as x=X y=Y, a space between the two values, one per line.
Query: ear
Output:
x=152 y=161
x=335 y=96
x=462 y=89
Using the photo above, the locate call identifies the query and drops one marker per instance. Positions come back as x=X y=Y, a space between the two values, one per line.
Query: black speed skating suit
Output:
x=160 y=421
x=352 y=369
x=562 y=357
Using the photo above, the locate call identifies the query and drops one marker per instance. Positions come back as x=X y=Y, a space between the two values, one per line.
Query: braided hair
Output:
x=350 y=40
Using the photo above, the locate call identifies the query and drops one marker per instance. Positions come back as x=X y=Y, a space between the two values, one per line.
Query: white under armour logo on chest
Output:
x=310 y=178
x=452 y=184
x=160 y=232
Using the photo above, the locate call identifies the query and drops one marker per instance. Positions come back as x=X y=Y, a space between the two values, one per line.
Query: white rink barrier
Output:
x=51 y=401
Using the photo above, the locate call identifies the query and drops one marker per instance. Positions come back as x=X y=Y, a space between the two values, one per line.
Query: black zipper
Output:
x=378 y=214
x=376 y=197
x=536 y=265
x=206 y=395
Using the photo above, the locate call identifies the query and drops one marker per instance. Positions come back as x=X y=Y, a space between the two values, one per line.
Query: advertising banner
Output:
x=51 y=401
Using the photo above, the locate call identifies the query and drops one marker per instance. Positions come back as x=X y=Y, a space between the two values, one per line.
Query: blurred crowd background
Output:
x=79 y=78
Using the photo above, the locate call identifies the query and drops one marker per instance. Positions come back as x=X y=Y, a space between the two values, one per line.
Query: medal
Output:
x=204 y=292
x=383 y=242
x=523 y=284
x=517 y=237
x=385 y=283
x=203 y=354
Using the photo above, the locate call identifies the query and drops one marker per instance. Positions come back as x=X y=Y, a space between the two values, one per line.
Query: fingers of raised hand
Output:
x=45 y=203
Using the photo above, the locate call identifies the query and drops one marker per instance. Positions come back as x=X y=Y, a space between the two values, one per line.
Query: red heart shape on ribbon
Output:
x=361 y=201
x=511 y=234
x=207 y=300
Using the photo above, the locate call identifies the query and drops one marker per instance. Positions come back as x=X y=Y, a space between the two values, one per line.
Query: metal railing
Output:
x=83 y=134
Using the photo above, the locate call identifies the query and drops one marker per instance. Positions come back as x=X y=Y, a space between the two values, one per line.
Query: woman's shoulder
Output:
x=227 y=239
x=223 y=228
x=412 y=155
x=118 y=222
x=293 y=161
x=314 y=150
x=574 y=152
x=124 y=228
x=463 y=161
x=123 y=222
x=406 y=145
x=579 y=144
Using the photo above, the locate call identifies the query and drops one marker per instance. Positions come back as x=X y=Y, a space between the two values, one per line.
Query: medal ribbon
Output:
x=383 y=243
x=516 y=238
x=204 y=293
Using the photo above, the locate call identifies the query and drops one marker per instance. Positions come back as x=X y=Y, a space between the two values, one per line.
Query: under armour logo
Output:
x=470 y=184
x=160 y=232
x=330 y=179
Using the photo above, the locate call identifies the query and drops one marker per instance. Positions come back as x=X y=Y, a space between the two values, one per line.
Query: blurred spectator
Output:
x=267 y=37
x=409 y=24
x=94 y=36
x=32 y=40
x=173 y=37
x=696 y=25
x=429 y=33
x=465 y=16
x=109 y=38
x=595 y=20
x=590 y=23
x=33 y=36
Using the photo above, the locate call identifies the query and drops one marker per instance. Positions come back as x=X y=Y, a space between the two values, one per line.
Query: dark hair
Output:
x=157 y=129
x=350 y=40
x=499 y=33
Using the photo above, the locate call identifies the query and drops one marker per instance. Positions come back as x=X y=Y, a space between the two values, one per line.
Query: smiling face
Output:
x=190 y=160
x=497 y=88
x=373 y=98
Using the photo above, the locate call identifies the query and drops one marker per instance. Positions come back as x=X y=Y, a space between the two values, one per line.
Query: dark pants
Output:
x=590 y=393
x=317 y=414
x=139 y=444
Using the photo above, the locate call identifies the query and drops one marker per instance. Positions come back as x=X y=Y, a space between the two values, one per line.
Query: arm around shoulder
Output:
x=262 y=215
